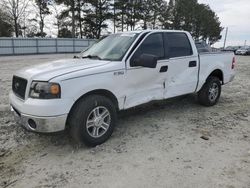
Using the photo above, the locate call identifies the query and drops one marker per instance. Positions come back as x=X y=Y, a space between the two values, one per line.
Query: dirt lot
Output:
x=155 y=145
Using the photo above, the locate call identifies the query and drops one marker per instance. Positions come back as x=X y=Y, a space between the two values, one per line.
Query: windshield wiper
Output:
x=92 y=57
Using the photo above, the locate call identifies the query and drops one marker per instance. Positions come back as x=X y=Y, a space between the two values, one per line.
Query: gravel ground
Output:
x=154 y=145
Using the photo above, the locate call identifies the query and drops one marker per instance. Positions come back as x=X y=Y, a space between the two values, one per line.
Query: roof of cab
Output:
x=152 y=30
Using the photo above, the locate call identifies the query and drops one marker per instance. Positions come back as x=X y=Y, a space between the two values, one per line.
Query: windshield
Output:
x=113 y=47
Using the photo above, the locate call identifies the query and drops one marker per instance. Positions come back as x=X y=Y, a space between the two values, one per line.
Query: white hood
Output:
x=47 y=71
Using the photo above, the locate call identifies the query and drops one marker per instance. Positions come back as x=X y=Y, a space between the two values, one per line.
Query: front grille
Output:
x=19 y=86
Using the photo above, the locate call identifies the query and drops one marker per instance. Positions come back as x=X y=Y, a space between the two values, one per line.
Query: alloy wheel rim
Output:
x=98 y=121
x=213 y=92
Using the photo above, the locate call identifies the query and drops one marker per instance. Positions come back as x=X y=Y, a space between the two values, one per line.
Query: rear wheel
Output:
x=210 y=92
x=92 y=120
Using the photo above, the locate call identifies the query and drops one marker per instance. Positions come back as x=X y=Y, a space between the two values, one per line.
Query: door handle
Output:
x=164 y=69
x=192 y=64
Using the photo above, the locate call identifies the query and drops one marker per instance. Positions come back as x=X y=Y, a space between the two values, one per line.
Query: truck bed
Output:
x=215 y=60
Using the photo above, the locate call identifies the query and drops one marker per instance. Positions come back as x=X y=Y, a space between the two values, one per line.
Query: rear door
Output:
x=183 y=65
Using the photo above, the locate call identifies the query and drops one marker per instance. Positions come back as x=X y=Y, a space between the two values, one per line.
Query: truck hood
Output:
x=47 y=71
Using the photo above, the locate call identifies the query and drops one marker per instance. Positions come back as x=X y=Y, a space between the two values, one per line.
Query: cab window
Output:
x=152 y=45
x=177 y=45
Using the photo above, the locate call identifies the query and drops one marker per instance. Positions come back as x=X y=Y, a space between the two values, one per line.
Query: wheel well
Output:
x=105 y=93
x=217 y=73
x=102 y=92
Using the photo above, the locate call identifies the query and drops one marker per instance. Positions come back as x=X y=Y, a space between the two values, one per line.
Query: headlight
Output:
x=45 y=90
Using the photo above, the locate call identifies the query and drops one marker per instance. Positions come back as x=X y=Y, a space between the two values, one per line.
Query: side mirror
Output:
x=145 y=60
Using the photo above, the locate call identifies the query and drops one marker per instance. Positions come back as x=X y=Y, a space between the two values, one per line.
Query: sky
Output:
x=234 y=14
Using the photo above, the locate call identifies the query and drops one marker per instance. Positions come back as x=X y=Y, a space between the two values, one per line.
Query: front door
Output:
x=146 y=84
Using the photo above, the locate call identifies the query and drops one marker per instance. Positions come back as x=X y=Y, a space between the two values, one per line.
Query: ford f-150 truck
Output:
x=123 y=70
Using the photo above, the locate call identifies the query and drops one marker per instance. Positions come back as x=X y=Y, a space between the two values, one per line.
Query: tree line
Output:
x=93 y=18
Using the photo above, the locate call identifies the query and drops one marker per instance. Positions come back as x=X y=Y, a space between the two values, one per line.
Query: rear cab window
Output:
x=177 y=44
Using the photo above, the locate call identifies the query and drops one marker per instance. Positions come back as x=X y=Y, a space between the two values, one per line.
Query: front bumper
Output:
x=40 y=124
x=40 y=115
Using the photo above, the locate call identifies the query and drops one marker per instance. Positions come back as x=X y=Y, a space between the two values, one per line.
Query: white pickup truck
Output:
x=121 y=71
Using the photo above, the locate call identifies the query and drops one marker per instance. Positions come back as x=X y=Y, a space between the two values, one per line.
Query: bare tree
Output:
x=56 y=10
x=16 y=9
x=6 y=28
x=42 y=12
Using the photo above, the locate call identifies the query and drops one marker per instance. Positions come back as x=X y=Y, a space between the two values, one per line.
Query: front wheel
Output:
x=210 y=92
x=92 y=120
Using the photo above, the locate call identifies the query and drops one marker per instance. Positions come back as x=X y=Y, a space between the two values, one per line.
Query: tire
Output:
x=89 y=119
x=210 y=92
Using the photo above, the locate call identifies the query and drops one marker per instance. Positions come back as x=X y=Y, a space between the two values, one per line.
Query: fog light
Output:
x=32 y=124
